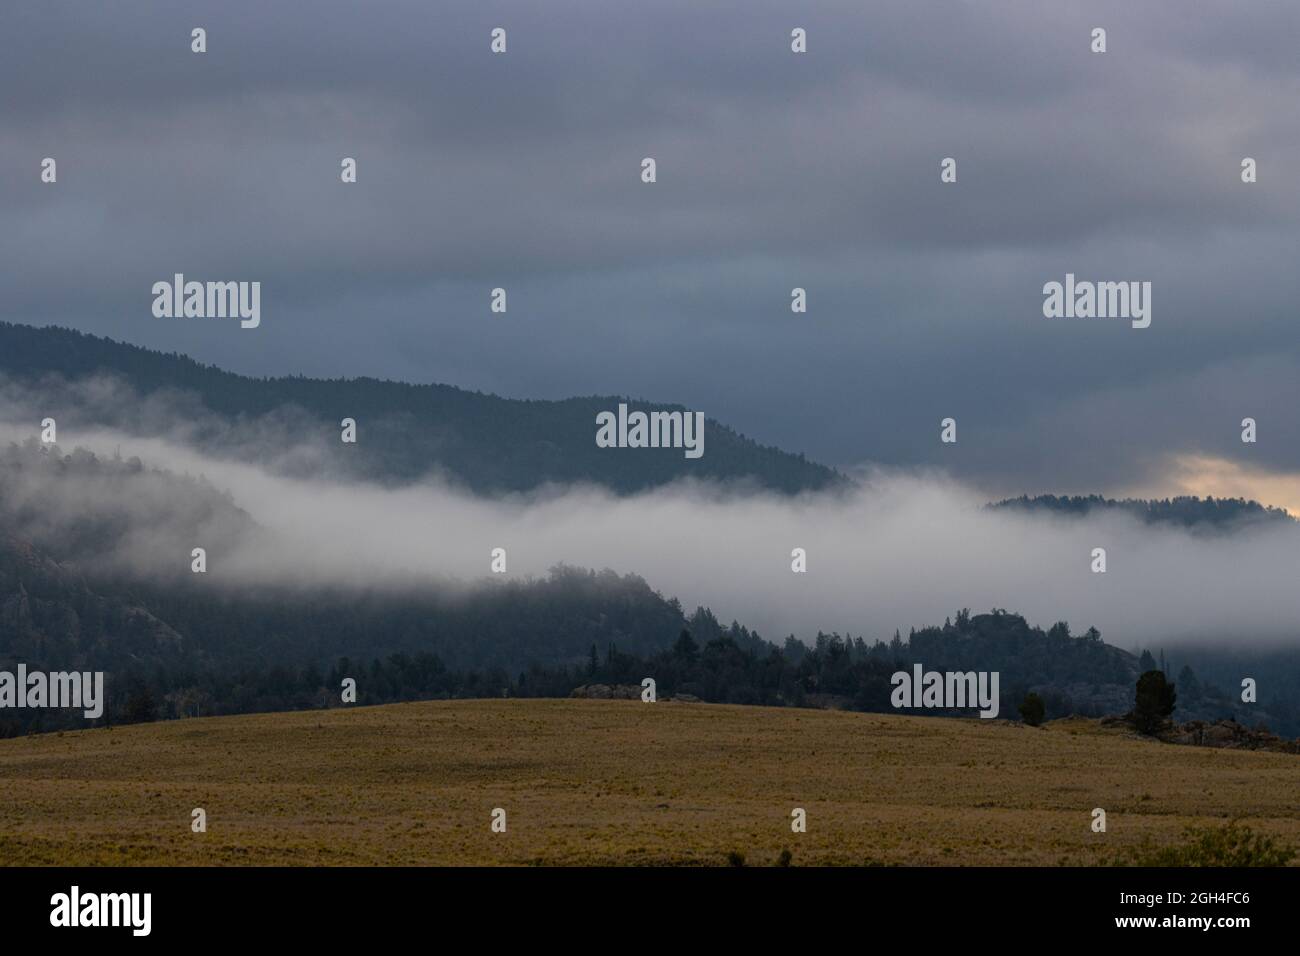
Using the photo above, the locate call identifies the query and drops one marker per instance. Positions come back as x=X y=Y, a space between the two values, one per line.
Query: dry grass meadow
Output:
x=617 y=782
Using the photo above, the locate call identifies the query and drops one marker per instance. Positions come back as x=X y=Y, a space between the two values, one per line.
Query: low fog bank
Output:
x=900 y=550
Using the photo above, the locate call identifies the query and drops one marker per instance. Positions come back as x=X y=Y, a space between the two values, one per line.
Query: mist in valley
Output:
x=898 y=549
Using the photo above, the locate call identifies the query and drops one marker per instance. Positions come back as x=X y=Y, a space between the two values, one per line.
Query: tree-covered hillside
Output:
x=487 y=443
x=1187 y=511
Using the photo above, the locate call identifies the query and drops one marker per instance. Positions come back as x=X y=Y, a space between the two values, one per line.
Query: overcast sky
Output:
x=775 y=170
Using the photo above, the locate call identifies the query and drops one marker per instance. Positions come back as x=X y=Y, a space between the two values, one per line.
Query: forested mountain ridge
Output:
x=1186 y=511
x=82 y=586
x=486 y=443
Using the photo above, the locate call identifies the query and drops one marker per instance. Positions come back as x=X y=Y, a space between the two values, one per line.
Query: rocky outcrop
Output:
x=1227 y=734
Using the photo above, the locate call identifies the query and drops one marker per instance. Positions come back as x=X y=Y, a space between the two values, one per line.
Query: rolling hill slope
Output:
x=618 y=782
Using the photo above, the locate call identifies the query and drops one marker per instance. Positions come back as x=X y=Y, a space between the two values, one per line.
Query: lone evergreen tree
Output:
x=1032 y=709
x=1154 y=701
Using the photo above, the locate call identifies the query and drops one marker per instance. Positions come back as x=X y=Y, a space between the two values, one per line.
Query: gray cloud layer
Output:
x=775 y=170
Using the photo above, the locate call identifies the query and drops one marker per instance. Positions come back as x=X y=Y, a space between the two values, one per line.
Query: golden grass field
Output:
x=617 y=782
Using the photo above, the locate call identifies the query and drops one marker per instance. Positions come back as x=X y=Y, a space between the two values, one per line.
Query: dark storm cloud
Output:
x=775 y=170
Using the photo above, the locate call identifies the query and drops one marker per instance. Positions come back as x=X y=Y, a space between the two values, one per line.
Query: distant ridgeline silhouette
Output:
x=1187 y=511
x=488 y=443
